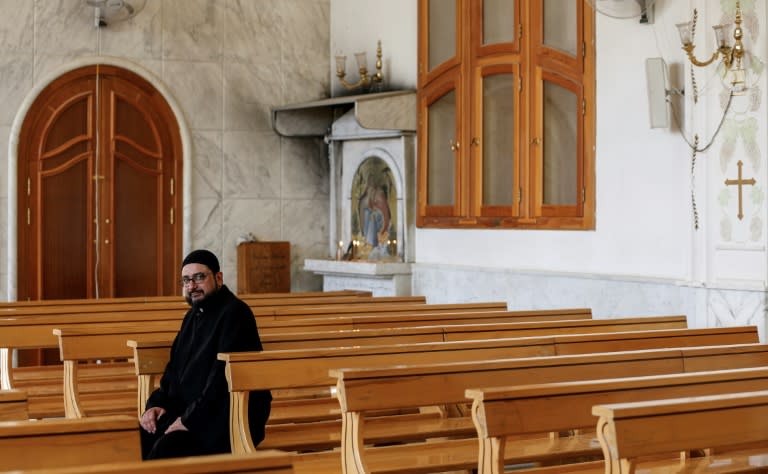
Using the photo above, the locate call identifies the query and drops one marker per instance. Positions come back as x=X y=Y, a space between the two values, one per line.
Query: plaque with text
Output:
x=263 y=267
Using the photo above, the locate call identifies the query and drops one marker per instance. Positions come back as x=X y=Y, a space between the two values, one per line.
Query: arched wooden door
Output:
x=99 y=182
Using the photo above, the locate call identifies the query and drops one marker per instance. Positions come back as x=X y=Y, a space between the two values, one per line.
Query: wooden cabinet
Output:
x=263 y=267
x=505 y=104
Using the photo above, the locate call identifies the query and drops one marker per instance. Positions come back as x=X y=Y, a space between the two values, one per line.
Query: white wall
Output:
x=356 y=25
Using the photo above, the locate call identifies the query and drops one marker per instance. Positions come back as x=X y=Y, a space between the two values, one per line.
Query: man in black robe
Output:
x=189 y=414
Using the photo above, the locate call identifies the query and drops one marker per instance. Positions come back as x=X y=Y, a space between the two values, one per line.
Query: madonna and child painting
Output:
x=374 y=211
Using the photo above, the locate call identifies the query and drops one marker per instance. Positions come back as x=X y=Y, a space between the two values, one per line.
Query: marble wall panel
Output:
x=306 y=49
x=253 y=31
x=207 y=224
x=251 y=165
x=303 y=82
x=138 y=37
x=16 y=73
x=607 y=297
x=305 y=36
x=17 y=27
x=65 y=27
x=250 y=91
x=261 y=217
x=3 y=249
x=4 y=175
x=198 y=88
x=305 y=169
x=727 y=308
x=207 y=164
x=192 y=29
x=308 y=238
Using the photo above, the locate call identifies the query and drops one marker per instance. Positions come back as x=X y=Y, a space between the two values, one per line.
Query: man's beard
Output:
x=190 y=302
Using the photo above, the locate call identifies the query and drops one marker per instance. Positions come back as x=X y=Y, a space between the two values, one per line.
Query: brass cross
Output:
x=740 y=182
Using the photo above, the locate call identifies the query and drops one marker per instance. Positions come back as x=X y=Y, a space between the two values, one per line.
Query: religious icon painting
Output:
x=374 y=210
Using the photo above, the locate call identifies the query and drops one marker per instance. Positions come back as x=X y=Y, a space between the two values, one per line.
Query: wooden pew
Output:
x=363 y=390
x=503 y=415
x=13 y=405
x=110 y=388
x=105 y=342
x=176 y=298
x=426 y=315
x=266 y=307
x=461 y=331
x=35 y=331
x=263 y=462
x=628 y=431
x=307 y=311
x=42 y=444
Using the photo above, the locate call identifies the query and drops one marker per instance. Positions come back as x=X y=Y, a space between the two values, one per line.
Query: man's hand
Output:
x=177 y=425
x=150 y=417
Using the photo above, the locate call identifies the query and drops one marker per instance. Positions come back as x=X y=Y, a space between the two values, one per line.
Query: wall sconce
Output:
x=366 y=81
x=732 y=55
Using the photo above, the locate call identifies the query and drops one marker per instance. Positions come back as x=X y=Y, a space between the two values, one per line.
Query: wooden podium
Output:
x=264 y=267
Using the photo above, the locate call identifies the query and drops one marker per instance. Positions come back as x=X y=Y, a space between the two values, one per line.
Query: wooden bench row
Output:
x=37 y=331
x=559 y=396
x=361 y=391
x=82 y=345
x=628 y=431
x=276 y=370
x=106 y=340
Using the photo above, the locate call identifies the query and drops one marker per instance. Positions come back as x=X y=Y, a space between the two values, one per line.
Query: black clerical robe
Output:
x=194 y=386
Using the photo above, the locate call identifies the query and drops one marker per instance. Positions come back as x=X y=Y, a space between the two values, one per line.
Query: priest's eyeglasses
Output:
x=197 y=278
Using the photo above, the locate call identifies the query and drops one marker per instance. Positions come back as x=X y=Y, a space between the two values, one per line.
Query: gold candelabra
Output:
x=732 y=55
x=366 y=80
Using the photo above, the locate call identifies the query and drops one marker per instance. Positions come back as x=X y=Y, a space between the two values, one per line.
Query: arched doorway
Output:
x=99 y=189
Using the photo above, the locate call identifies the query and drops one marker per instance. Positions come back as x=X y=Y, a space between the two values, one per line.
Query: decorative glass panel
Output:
x=560 y=26
x=440 y=157
x=560 y=145
x=498 y=139
x=442 y=31
x=498 y=21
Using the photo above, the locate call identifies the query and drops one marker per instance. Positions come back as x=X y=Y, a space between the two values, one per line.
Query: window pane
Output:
x=440 y=157
x=560 y=25
x=498 y=139
x=442 y=31
x=498 y=21
x=560 y=142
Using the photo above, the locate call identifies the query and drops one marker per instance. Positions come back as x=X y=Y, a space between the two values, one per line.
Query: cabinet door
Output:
x=494 y=142
x=440 y=106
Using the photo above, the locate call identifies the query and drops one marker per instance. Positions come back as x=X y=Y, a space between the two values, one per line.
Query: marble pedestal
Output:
x=380 y=278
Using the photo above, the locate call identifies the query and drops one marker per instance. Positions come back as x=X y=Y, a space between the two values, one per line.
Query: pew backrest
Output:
x=264 y=462
x=13 y=405
x=55 y=442
x=628 y=431
x=502 y=412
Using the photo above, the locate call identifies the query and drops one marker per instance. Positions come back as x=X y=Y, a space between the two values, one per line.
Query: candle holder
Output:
x=366 y=81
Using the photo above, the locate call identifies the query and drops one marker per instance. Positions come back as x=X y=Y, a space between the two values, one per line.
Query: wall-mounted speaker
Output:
x=656 y=81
